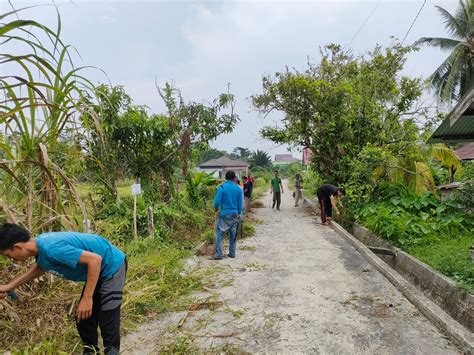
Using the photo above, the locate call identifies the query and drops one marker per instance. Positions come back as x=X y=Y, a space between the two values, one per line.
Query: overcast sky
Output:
x=203 y=45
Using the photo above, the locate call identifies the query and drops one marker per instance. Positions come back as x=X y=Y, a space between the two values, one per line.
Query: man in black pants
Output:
x=329 y=197
x=77 y=257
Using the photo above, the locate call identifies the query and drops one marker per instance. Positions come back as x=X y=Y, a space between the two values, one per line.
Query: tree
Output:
x=210 y=153
x=261 y=159
x=342 y=104
x=242 y=153
x=195 y=123
x=455 y=76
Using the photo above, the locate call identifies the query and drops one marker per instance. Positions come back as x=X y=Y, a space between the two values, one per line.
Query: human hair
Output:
x=244 y=177
x=10 y=234
x=276 y=171
x=298 y=175
x=341 y=190
x=230 y=175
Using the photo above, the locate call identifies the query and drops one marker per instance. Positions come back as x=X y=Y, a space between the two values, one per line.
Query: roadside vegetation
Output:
x=368 y=128
x=70 y=151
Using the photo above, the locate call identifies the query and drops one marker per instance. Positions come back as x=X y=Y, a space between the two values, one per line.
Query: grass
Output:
x=451 y=257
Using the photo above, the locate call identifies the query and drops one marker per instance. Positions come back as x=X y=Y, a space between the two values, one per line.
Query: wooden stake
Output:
x=135 y=228
x=151 y=225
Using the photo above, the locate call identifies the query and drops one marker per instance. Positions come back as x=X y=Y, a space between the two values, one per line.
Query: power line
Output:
x=414 y=20
x=363 y=24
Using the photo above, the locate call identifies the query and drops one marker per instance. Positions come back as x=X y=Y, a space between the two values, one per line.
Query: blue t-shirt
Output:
x=228 y=198
x=59 y=252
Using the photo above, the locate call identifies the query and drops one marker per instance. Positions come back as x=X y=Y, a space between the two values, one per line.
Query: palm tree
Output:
x=260 y=158
x=455 y=76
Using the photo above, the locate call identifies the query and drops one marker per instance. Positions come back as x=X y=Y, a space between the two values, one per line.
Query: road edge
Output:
x=456 y=332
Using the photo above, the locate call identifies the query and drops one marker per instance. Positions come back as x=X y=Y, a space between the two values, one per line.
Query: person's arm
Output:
x=240 y=202
x=281 y=186
x=333 y=203
x=218 y=199
x=271 y=187
x=93 y=262
x=34 y=272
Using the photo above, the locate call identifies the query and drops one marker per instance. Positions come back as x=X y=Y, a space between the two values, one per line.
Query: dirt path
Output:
x=296 y=287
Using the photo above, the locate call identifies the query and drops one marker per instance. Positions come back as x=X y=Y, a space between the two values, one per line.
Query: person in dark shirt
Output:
x=248 y=187
x=329 y=197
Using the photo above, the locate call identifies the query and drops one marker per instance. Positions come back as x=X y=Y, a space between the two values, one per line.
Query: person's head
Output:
x=244 y=179
x=298 y=176
x=276 y=172
x=230 y=175
x=340 y=192
x=12 y=241
x=237 y=181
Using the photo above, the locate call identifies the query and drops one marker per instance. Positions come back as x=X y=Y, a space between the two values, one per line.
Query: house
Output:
x=459 y=125
x=285 y=159
x=223 y=164
x=466 y=152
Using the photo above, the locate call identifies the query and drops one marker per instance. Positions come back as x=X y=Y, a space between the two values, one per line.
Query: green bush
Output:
x=437 y=232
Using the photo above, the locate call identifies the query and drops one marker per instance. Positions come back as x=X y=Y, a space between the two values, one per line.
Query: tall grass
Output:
x=40 y=97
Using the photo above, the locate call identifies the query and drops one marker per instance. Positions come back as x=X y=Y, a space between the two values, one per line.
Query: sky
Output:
x=201 y=46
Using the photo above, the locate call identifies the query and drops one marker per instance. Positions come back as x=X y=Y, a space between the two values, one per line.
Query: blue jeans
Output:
x=227 y=223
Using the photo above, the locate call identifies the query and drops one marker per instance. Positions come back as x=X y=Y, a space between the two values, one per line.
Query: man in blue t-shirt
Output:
x=76 y=257
x=228 y=202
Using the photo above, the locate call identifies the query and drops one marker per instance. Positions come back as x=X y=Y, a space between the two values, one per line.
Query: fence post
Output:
x=151 y=224
x=135 y=228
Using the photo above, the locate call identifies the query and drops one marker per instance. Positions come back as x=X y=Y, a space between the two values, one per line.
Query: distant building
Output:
x=220 y=166
x=285 y=159
x=466 y=152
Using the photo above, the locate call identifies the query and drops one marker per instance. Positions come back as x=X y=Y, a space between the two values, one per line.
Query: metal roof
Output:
x=285 y=158
x=224 y=162
x=459 y=125
x=466 y=152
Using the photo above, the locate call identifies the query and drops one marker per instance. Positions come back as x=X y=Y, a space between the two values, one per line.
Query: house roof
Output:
x=466 y=152
x=285 y=158
x=459 y=125
x=224 y=162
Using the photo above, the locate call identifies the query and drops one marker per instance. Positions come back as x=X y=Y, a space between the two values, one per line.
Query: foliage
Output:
x=200 y=187
x=288 y=171
x=242 y=153
x=468 y=171
x=261 y=159
x=415 y=223
x=464 y=197
x=454 y=78
x=37 y=107
x=341 y=105
x=196 y=123
x=122 y=140
x=209 y=154
x=311 y=182
x=415 y=167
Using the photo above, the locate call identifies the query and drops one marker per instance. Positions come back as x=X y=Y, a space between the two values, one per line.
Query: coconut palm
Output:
x=260 y=158
x=455 y=76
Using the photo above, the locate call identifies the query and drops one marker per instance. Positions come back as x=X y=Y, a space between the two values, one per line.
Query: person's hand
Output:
x=84 y=309
x=282 y=192
x=338 y=213
x=4 y=289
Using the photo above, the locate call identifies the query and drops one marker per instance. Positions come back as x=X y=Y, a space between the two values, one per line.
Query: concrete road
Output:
x=296 y=287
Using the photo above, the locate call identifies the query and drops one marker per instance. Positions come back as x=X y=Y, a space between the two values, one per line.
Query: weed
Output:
x=248 y=248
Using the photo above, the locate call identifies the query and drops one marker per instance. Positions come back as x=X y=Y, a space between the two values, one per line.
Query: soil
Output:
x=295 y=287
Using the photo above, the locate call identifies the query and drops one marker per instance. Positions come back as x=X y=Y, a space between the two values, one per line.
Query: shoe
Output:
x=216 y=258
x=231 y=256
